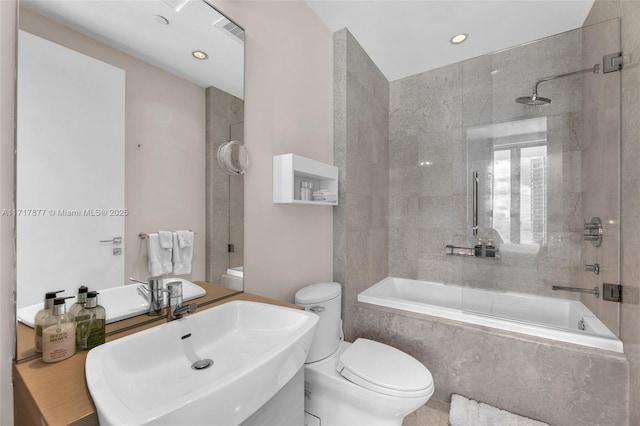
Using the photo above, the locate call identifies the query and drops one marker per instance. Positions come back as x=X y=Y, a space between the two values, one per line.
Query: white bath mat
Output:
x=467 y=412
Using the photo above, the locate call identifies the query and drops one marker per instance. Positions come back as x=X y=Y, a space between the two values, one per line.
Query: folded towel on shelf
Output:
x=166 y=239
x=159 y=258
x=182 y=252
x=325 y=195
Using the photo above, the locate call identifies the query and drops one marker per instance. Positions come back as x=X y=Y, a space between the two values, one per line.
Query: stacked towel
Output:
x=160 y=253
x=325 y=195
x=182 y=252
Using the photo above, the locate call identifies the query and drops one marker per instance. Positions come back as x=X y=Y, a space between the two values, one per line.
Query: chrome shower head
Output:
x=539 y=100
x=533 y=100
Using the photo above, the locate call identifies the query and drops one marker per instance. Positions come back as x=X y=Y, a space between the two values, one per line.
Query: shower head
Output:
x=533 y=100
x=539 y=100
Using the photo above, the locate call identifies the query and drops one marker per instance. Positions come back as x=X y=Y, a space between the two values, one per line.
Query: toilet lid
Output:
x=383 y=369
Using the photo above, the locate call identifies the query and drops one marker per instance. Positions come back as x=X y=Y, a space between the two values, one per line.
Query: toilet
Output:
x=361 y=383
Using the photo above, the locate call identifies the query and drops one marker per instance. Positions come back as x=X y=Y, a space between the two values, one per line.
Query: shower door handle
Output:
x=474 y=185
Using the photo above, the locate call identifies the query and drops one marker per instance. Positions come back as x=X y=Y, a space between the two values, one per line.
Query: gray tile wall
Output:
x=361 y=134
x=222 y=190
x=629 y=11
x=561 y=384
x=429 y=207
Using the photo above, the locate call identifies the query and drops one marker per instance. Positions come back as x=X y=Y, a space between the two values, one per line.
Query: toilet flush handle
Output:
x=317 y=309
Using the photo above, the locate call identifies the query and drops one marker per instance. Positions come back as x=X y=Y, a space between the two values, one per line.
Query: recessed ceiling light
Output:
x=161 y=20
x=458 y=38
x=199 y=54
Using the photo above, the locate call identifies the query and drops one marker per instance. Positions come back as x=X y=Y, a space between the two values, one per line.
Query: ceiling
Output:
x=132 y=26
x=405 y=38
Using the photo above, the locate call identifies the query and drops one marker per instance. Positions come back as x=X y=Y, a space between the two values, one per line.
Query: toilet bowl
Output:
x=360 y=383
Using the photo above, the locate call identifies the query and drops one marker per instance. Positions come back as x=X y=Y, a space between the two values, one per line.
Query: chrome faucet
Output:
x=154 y=293
x=176 y=308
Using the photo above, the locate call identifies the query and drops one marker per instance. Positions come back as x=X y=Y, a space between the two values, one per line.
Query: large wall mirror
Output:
x=122 y=107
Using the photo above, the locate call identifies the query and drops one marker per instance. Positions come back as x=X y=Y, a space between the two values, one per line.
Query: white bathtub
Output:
x=539 y=316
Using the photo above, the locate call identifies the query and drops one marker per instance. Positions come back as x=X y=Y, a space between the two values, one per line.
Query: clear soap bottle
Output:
x=90 y=324
x=58 y=333
x=41 y=316
x=81 y=299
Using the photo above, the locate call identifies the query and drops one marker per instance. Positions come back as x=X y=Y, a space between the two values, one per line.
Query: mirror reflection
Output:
x=121 y=109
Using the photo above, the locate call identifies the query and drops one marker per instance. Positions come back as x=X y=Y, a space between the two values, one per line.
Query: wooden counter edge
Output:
x=36 y=401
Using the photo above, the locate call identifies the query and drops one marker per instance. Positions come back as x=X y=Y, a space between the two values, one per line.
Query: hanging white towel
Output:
x=185 y=239
x=166 y=239
x=182 y=252
x=159 y=258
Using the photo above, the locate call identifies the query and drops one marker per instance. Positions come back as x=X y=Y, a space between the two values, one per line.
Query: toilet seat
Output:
x=384 y=369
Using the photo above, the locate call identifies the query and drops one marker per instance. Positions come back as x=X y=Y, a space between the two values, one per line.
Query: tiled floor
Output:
x=433 y=413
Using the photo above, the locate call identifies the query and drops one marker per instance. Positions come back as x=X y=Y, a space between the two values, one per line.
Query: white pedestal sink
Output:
x=147 y=377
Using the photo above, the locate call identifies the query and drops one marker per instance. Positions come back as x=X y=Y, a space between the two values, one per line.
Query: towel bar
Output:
x=143 y=235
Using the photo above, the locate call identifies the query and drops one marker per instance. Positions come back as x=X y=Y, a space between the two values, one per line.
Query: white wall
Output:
x=7 y=101
x=288 y=108
x=63 y=167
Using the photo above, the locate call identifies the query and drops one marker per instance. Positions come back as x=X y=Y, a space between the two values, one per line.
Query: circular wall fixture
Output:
x=233 y=157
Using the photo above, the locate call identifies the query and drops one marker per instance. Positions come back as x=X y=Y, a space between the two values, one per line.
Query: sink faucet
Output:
x=153 y=291
x=176 y=308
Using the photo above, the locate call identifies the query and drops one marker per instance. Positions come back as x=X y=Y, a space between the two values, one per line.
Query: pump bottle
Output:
x=90 y=324
x=41 y=316
x=58 y=333
x=81 y=299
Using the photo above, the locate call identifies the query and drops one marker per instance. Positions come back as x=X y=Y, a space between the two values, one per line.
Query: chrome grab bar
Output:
x=595 y=291
x=474 y=180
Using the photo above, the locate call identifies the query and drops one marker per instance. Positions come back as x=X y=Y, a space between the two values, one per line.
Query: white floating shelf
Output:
x=289 y=170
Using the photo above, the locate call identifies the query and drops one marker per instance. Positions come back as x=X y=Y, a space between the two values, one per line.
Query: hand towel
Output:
x=182 y=252
x=185 y=238
x=159 y=258
x=166 y=239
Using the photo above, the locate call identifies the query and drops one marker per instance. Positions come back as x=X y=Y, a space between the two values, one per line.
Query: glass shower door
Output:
x=541 y=123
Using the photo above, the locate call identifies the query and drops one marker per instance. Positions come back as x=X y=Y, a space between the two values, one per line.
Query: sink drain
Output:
x=202 y=364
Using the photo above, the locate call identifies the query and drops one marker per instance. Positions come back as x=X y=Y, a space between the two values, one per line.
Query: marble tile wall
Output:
x=561 y=384
x=430 y=155
x=222 y=190
x=629 y=12
x=361 y=134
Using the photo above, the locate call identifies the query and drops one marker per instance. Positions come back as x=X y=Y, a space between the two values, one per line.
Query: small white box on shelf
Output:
x=291 y=170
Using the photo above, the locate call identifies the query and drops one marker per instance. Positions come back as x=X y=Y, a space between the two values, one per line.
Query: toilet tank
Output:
x=324 y=300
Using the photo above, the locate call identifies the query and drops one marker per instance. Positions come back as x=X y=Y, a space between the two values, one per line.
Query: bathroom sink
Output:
x=152 y=377
x=120 y=302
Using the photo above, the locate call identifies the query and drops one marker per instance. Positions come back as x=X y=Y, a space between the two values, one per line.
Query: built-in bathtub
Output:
x=559 y=319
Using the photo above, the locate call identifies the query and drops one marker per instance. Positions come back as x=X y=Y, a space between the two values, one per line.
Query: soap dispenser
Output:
x=58 y=333
x=90 y=324
x=490 y=249
x=41 y=316
x=81 y=299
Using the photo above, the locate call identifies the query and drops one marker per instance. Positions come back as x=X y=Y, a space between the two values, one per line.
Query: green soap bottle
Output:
x=90 y=324
x=81 y=299
x=42 y=315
